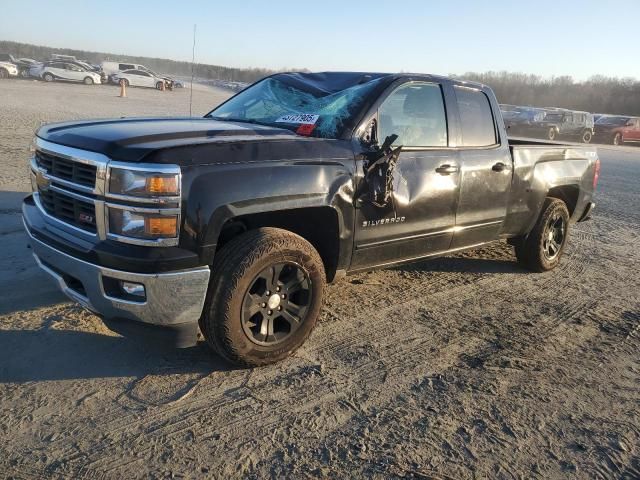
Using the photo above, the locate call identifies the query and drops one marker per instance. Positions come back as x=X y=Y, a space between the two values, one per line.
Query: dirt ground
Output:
x=462 y=367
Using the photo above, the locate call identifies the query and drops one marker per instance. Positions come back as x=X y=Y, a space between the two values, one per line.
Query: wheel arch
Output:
x=569 y=194
x=320 y=226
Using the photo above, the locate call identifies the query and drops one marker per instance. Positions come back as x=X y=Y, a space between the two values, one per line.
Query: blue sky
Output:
x=562 y=37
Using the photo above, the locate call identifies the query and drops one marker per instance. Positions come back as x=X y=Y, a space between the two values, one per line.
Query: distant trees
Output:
x=599 y=94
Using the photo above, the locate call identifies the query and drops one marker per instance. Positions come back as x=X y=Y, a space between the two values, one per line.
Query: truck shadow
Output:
x=51 y=354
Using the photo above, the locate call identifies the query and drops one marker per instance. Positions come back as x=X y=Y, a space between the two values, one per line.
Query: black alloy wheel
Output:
x=276 y=303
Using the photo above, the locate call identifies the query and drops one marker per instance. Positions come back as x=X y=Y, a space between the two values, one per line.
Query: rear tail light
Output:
x=596 y=174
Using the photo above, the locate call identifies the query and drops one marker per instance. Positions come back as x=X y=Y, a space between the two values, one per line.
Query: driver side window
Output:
x=415 y=112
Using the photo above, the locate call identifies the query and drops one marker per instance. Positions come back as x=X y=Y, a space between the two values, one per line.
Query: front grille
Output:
x=69 y=209
x=75 y=172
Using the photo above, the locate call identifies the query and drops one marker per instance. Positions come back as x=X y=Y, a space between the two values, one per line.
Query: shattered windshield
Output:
x=312 y=113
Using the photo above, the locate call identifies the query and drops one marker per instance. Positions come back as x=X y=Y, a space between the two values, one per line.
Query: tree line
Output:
x=598 y=94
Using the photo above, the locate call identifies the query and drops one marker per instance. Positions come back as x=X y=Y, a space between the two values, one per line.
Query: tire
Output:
x=542 y=249
x=552 y=134
x=244 y=320
x=24 y=73
x=159 y=86
x=4 y=73
x=47 y=77
x=586 y=136
x=617 y=139
x=88 y=81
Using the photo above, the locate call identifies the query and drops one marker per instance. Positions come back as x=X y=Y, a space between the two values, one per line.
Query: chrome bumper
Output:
x=171 y=298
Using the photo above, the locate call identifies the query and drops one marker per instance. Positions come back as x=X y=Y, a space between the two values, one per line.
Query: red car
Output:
x=617 y=130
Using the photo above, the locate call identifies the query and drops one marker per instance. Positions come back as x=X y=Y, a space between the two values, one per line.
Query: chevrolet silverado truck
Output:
x=234 y=223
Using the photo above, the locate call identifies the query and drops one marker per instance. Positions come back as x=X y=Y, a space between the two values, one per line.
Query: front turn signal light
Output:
x=162 y=185
x=161 y=226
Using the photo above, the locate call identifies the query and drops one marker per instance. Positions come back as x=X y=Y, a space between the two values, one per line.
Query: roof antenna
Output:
x=193 y=60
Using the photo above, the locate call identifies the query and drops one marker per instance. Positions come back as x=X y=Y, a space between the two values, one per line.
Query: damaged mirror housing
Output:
x=378 y=178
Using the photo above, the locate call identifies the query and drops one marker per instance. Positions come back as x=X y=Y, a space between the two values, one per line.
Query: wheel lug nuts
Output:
x=279 y=308
x=283 y=295
x=268 y=293
x=264 y=305
x=277 y=289
x=269 y=312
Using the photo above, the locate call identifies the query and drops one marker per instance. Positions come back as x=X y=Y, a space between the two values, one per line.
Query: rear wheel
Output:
x=542 y=249
x=552 y=134
x=617 y=139
x=88 y=81
x=264 y=298
x=586 y=136
x=4 y=73
x=47 y=77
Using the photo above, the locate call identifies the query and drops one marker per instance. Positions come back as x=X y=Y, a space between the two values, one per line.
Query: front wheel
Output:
x=552 y=134
x=88 y=81
x=265 y=296
x=47 y=77
x=617 y=139
x=543 y=247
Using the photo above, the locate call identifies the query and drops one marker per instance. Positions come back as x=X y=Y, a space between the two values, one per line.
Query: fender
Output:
x=302 y=175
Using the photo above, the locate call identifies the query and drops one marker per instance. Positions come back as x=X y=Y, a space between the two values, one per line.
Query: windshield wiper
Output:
x=240 y=120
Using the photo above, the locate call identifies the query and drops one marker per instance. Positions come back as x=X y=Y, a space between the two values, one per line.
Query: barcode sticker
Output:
x=305 y=118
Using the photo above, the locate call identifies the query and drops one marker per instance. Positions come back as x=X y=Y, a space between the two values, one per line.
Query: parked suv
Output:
x=617 y=130
x=566 y=124
x=65 y=71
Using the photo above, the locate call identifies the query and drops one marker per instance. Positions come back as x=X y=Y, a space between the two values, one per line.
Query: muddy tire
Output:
x=264 y=298
x=542 y=249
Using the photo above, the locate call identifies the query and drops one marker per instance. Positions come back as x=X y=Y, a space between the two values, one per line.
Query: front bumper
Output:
x=173 y=300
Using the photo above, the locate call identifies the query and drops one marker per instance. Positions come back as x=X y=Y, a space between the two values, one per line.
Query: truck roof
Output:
x=331 y=82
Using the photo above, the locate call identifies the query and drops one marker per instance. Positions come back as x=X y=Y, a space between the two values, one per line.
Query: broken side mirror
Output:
x=379 y=169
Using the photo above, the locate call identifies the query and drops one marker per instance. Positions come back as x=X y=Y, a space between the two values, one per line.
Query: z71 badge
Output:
x=382 y=221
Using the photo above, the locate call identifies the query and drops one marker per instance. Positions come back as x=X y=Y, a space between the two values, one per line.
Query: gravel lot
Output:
x=462 y=367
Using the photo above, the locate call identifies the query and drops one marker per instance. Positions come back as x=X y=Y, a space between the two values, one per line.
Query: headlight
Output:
x=143 y=225
x=138 y=183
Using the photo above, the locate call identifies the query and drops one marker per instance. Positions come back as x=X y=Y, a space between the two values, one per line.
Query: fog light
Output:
x=136 y=289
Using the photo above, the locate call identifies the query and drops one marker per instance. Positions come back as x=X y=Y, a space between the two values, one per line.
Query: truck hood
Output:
x=132 y=139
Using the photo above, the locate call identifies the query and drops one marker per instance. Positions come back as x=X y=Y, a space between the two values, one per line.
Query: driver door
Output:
x=420 y=216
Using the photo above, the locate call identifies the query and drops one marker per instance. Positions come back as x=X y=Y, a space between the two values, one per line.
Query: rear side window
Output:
x=415 y=112
x=478 y=128
x=126 y=66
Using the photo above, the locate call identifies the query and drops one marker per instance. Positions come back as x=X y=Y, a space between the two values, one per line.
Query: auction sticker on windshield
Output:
x=298 y=118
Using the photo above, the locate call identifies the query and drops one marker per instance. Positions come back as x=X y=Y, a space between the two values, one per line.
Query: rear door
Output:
x=486 y=170
x=146 y=79
x=420 y=218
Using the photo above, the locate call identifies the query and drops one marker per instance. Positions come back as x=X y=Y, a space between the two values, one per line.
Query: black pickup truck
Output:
x=234 y=223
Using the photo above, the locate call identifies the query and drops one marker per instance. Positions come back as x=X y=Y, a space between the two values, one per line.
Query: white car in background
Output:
x=8 y=70
x=138 y=78
x=65 y=71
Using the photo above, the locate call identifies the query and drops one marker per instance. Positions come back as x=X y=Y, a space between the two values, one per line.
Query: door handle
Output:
x=498 y=167
x=447 y=169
